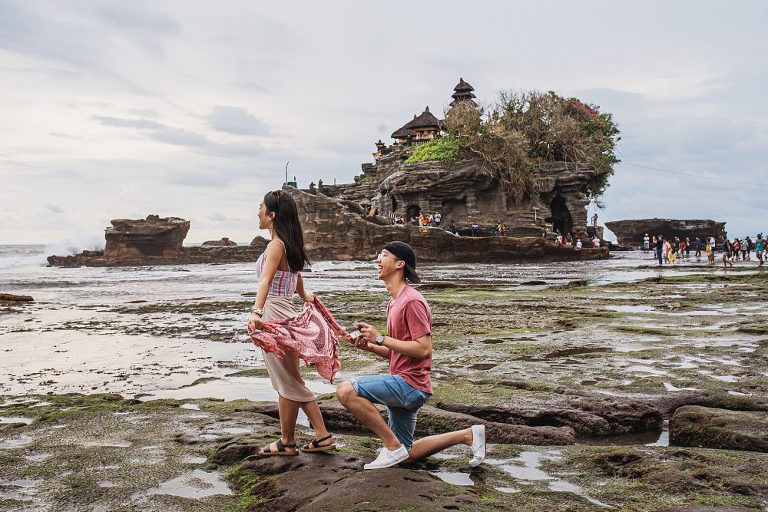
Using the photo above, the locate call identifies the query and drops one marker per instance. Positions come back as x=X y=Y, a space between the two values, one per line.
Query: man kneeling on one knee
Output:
x=408 y=348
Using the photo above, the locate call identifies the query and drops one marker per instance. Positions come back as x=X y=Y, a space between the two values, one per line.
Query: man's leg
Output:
x=362 y=409
x=426 y=446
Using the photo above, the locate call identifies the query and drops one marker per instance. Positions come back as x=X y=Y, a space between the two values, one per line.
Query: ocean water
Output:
x=73 y=339
x=24 y=270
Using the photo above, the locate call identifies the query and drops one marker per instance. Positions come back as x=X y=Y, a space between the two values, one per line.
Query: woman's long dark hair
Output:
x=288 y=228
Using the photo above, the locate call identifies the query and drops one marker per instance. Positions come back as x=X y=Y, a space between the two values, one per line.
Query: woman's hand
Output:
x=255 y=322
x=309 y=297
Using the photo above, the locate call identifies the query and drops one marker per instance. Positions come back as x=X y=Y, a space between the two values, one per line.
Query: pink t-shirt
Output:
x=409 y=318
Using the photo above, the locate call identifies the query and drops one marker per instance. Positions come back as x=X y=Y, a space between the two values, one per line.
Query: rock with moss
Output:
x=719 y=428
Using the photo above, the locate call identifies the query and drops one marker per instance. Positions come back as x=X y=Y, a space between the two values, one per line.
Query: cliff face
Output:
x=630 y=233
x=464 y=193
x=332 y=230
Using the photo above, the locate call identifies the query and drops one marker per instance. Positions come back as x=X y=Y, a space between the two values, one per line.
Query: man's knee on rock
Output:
x=345 y=391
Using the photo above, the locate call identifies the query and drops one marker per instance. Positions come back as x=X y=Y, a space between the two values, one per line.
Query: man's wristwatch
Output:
x=379 y=340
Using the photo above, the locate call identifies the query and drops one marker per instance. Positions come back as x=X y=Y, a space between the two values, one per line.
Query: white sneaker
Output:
x=388 y=458
x=478 y=445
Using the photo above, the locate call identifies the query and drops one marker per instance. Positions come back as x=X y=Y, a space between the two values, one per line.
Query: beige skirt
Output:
x=284 y=373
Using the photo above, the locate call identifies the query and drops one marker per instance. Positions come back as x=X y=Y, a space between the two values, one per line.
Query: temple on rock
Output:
x=462 y=194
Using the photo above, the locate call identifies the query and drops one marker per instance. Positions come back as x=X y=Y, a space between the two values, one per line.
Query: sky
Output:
x=120 y=109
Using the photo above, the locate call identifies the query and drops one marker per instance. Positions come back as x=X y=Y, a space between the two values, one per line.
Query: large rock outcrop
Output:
x=335 y=230
x=630 y=233
x=158 y=241
x=465 y=194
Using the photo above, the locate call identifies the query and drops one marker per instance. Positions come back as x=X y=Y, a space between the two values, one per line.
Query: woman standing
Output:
x=278 y=273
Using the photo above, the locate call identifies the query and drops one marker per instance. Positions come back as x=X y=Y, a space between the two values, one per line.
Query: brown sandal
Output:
x=315 y=446
x=280 y=449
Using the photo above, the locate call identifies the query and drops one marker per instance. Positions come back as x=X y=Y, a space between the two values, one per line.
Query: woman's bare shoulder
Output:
x=275 y=246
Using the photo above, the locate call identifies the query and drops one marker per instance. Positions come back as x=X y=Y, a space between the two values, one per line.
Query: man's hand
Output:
x=367 y=332
x=361 y=343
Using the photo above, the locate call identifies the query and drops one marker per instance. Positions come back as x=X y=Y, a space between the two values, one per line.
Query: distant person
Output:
x=596 y=241
x=453 y=229
x=712 y=243
x=594 y=220
x=727 y=253
x=747 y=248
x=646 y=243
x=760 y=249
x=697 y=246
x=578 y=243
x=438 y=218
x=687 y=248
x=474 y=228
x=710 y=250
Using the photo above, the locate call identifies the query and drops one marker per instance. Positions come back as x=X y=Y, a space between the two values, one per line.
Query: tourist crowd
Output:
x=671 y=249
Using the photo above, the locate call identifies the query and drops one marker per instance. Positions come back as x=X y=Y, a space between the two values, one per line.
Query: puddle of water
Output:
x=15 y=442
x=193 y=407
x=663 y=439
x=669 y=387
x=454 y=478
x=38 y=458
x=725 y=378
x=193 y=459
x=15 y=419
x=258 y=389
x=109 y=444
x=235 y=430
x=507 y=490
x=738 y=393
x=530 y=471
x=21 y=490
x=443 y=456
x=195 y=485
x=693 y=313
x=106 y=484
x=645 y=369
x=631 y=309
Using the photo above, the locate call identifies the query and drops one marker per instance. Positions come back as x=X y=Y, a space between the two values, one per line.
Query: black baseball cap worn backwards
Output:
x=403 y=251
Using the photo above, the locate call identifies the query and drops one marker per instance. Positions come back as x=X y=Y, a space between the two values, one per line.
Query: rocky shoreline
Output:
x=644 y=395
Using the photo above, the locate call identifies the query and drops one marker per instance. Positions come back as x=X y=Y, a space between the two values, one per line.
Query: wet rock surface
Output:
x=597 y=355
x=719 y=428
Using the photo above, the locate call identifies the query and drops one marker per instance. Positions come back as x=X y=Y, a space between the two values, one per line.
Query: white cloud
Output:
x=116 y=109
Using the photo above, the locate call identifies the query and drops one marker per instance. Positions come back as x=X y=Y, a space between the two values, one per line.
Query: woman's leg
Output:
x=289 y=411
x=312 y=410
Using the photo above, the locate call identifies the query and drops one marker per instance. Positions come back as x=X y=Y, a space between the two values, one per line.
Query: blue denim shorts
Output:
x=402 y=400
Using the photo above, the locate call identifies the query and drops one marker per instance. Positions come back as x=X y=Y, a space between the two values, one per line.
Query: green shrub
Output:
x=445 y=149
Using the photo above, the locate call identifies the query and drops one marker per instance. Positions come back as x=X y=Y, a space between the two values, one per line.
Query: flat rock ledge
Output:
x=319 y=482
x=589 y=416
x=437 y=421
x=719 y=428
x=9 y=297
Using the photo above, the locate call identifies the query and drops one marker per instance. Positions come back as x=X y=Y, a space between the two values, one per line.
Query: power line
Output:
x=696 y=175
